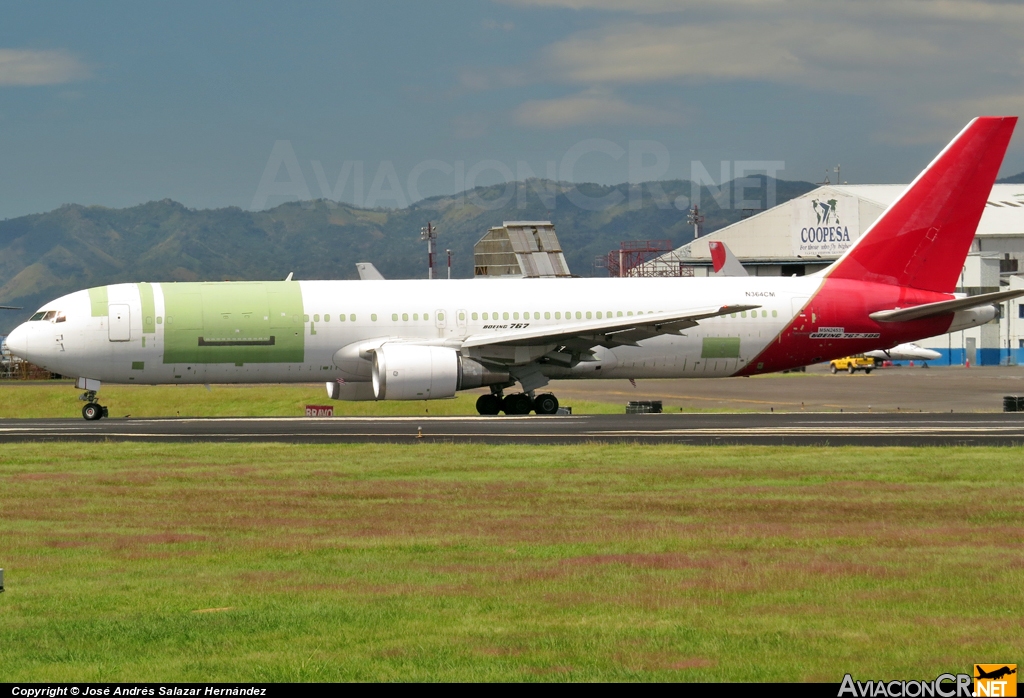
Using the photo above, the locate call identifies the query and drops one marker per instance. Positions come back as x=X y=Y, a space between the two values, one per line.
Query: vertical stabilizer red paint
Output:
x=717 y=255
x=922 y=239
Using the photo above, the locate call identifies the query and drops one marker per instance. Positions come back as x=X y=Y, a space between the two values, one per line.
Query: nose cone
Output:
x=17 y=342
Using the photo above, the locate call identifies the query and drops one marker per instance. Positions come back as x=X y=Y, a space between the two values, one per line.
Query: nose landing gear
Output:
x=92 y=409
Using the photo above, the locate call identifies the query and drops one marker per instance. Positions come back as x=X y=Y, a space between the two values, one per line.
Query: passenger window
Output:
x=619 y=314
x=775 y=313
x=474 y=316
x=547 y=315
x=598 y=314
x=629 y=313
x=462 y=316
x=353 y=318
x=316 y=318
x=415 y=316
x=373 y=317
x=764 y=313
x=394 y=317
x=743 y=314
x=426 y=316
x=327 y=318
x=440 y=317
x=515 y=316
x=159 y=320
x=536 y=316
x=558 y=316
x=405 y=317
x=588 y=315
x=305 y=318
x=505 y=316
x=341 y=317
x=485 y=316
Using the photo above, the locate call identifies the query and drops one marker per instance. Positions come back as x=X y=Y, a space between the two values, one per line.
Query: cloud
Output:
x=592 y=106
x=27 y=67
x=906 y=56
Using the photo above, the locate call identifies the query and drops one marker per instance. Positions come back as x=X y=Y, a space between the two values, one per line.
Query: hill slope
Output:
x=73 y=247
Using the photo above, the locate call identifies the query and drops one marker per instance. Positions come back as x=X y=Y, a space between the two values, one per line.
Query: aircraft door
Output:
x=118 y=322
x=440 y=322
x=801 y=312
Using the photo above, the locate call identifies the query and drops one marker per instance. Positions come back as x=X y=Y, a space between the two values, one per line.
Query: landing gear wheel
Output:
x=545 y=404
x=92 y=411
x=833 y=369
x=488 y=404
x=517 y=403
x=850 y=369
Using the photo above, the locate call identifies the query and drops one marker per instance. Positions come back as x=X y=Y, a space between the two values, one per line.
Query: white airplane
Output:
x=422 y=340
x=904 y=352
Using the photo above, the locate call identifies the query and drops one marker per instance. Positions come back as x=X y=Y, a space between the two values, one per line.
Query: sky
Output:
x=251 y=104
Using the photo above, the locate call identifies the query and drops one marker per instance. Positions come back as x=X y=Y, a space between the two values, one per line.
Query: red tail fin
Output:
x=922 y=240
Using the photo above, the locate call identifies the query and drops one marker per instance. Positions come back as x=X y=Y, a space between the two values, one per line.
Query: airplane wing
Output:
x=609 y=333
x=943 y=307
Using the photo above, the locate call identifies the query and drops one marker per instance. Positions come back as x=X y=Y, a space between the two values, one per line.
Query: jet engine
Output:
x=416 y=372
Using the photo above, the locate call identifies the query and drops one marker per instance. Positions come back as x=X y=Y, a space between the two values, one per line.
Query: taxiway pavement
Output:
x=860 y=429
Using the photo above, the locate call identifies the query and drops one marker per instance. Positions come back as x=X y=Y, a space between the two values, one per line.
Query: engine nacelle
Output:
x=416 y=372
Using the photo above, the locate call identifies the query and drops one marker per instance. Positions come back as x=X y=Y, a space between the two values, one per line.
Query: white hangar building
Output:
x=806 y=234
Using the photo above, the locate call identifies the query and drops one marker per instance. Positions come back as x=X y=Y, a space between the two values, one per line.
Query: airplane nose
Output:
x=17 y=342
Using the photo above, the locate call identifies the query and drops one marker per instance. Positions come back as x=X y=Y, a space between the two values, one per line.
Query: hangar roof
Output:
x=774 y=236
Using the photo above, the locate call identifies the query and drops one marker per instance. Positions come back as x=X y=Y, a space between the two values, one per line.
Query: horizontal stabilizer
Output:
x=368 y=272
x=943 y=307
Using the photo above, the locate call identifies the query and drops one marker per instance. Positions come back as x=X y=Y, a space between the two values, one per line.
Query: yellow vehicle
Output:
x=852 y=364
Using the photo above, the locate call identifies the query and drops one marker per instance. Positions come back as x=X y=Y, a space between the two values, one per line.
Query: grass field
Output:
x=442 y=562
x=60 y=399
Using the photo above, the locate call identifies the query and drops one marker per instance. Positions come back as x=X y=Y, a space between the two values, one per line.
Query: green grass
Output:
x=157 y=562
x=60 y=399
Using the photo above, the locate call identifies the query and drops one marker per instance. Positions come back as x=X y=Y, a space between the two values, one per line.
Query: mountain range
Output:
x=43 y=256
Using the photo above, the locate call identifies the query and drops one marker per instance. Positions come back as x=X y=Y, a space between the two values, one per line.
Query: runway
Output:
x=836 y=429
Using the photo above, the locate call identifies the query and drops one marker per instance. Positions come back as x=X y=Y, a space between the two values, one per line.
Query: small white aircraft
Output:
x=425 y=340
x=904 y=352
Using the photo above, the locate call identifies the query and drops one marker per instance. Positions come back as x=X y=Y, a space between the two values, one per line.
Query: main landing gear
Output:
x=517 y=403
x=92 y=410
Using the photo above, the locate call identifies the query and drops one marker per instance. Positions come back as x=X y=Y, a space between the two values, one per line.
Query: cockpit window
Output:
x=37 y=316
x=50 y=314
x=60 y=317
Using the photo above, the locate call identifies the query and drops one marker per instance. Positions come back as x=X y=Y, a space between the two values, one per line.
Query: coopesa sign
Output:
x=824 y=224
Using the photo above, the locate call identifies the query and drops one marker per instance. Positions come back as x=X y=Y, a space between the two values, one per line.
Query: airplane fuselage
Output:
x=296 y=331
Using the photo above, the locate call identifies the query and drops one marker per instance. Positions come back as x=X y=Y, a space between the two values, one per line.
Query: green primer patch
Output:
x=720 y=348
x=98 y=301
x=248 y=322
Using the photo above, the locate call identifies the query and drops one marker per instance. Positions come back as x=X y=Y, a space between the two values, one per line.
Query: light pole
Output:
x=449 y=264
x=694 y=218
x=429 y=233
